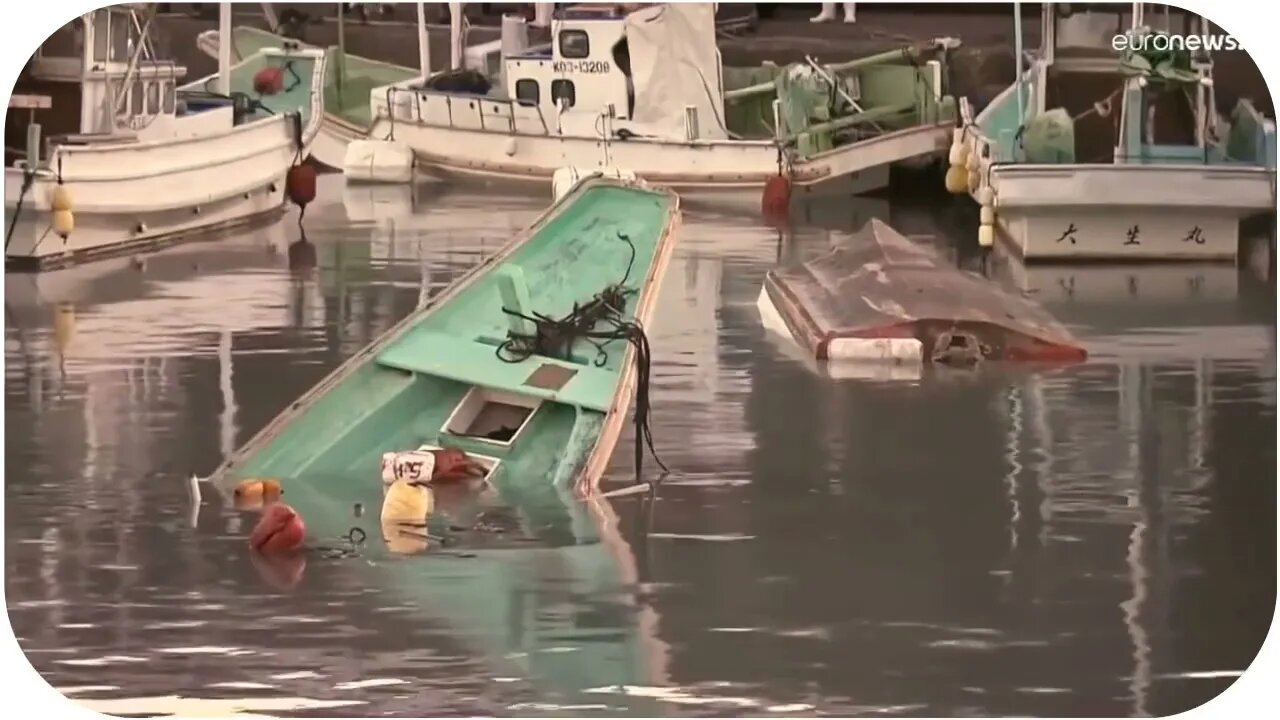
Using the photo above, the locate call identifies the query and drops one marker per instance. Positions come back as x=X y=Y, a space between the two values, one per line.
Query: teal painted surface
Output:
x=298 y=80
x=348 y=78
x=1000 y=121
x=402 y=395
x=327 y=451
x=1251 y=140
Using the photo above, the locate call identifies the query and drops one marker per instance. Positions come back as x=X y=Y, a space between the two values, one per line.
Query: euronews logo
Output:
x=1161 y=42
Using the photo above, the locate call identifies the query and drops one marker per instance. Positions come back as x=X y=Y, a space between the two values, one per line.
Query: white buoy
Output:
x=378 y=161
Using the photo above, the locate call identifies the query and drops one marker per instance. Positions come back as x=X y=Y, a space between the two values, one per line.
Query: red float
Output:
x=268 y=81
x=280 y=530
x=775 y=201
x=300 y=184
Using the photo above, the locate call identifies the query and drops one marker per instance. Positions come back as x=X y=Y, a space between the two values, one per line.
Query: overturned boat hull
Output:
x=878 y=297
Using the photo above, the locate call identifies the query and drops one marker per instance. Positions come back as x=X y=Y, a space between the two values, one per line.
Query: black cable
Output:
x=555 y=337
x=28 y=177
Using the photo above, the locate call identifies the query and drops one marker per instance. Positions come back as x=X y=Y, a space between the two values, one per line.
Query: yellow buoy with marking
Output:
x=957 y=179
x=986 y=215
x=986 y=235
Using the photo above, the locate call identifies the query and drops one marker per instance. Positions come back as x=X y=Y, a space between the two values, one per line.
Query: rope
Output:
x=556 y=337
x=28 y=177
x=354 y=538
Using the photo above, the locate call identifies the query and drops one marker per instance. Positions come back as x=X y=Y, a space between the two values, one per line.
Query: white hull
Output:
x=700 y=166
x=105 y=233
x=1127 y=212
x=133 y=195
x=330 y=146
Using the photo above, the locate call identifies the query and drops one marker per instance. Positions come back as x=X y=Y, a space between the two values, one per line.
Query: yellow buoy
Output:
x=986 y=215
x=971 y=162
x=986 y=196
x=958 y=154
x=956 y=179
x=63 y=223
x=986 y=235
x=407 y=503
x=405 y=508
x=253 y=493
x=61 y=199
x=975 y=180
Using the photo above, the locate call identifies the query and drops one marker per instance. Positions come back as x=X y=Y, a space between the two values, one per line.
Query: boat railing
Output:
x=468 y=112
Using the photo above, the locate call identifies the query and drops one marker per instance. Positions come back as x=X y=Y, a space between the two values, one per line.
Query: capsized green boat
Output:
x=437 y=379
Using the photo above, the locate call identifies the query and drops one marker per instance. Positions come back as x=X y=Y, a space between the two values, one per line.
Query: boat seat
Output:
x=476 y=363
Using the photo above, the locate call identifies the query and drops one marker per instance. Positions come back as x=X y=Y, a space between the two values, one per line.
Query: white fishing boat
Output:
x=1109 y=145
x=350 y=78
x=145 y=161
x=650 y=86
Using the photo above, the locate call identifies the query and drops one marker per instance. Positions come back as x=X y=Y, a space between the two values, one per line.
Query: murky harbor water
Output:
x=1091 y=541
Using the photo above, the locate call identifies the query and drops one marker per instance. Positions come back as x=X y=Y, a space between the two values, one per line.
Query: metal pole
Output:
x=455 y=35
x=342 y=51
x=1017 y=53
x=424 y=42
x=224 y=48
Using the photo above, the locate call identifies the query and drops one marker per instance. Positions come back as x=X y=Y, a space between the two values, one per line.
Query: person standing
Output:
x=828 y=13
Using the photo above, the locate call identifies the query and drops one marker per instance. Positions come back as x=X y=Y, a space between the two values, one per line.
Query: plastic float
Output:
x=378 y=161
x=878 y=297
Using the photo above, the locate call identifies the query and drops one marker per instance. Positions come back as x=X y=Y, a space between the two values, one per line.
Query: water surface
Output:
x=1090 y=541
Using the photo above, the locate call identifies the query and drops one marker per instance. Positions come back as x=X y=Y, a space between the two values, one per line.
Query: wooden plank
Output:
x=30 y=102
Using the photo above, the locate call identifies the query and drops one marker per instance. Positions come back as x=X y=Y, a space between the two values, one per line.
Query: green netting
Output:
x=806 y=99
x=1050 y=138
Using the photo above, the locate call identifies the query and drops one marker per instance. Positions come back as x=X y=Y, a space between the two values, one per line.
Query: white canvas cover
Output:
x=674 y=63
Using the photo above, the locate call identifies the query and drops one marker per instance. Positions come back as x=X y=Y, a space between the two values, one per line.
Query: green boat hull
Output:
x=401 y=391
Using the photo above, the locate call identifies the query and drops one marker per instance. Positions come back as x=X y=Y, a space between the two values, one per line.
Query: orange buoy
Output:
x=254 y=493
x=268 y=81
x=280 y=530
x=300 y=184
x=776 y=198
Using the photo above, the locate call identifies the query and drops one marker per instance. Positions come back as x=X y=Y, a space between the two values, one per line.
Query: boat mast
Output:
x=1017 y=54
x=342 y=49
x=424 y=42
x=455 y=35
x=224 y=48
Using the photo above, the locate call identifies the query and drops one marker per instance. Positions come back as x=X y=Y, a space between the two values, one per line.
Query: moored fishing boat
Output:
x=650 y=86
x=147 y=161
x=1110 y=145
x=348 y=80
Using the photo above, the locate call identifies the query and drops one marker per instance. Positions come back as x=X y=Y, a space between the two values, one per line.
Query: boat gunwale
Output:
x=665 y=245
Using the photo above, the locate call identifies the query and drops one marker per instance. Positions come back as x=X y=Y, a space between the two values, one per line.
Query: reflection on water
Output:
x=998 y=542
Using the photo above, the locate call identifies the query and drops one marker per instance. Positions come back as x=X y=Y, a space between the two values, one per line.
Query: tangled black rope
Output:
x=556 y=337
x=354 y=538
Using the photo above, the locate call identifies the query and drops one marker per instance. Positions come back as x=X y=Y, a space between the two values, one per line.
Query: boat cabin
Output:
x=654 y=70
x=1098 y=92
x=586 y=65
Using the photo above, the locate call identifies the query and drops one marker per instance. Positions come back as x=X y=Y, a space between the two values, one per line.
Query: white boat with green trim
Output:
x=147 y=161
x=648 y=88
x=1104 y=154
